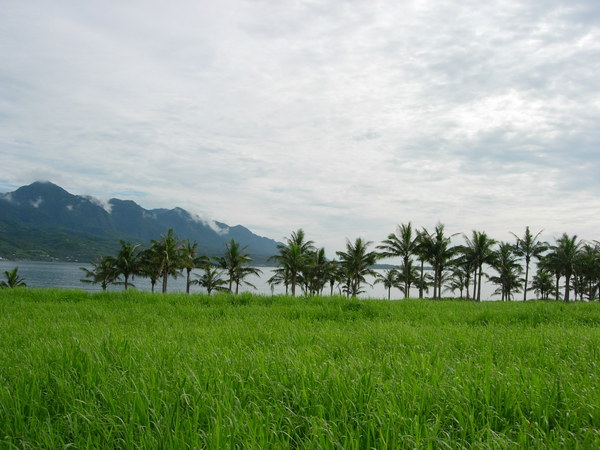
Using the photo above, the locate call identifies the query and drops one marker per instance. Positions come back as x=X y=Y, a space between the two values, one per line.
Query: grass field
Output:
x=135 y=370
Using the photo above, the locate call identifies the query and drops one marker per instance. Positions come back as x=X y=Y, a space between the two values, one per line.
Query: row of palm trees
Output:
x=430 y=261
x=451 y=267
x=169 y=257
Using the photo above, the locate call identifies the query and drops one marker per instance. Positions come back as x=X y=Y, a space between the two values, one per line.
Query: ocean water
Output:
x=66 y=275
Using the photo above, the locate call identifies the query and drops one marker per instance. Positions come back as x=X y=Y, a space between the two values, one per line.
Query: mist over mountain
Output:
x=42 y=221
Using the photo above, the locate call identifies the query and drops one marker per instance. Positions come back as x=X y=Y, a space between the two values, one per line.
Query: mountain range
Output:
x=42 y=221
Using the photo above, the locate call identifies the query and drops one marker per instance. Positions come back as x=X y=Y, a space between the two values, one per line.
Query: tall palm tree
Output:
x=13 y=279
x=168 y=250
x=404 y=244
x=190 y=259
x=565 y=251
x=479 y=250
x=103 y=273
x=237 y=265
x=127 y=262
x=527 y=247
x=292 y=256
x=356 y=264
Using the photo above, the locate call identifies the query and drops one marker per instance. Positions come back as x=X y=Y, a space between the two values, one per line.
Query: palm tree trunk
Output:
x=406 y=275
x=422 y=277
x=187 y=281
x=479 y=284
x=567 y=290
x=475 y=284
x=526 y=279
x=164 y=281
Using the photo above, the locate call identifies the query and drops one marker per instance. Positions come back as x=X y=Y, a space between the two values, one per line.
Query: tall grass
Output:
x=135 y=370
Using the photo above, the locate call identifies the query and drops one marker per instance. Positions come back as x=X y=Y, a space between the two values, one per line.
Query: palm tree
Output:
x=527 y=247
x=281 y=275
x=190 y=260
x=333 y=274
x=479 y=250
x=587 y=266
x=168 y=252
x=509 y=271
x=404 y=244
x=435 y=248
x=314 y=273
x=565 y=251
x=460 y=277
x=236 y=263
x=356 y=264
x=127 y=262
x=408 y=275
x=13 y=279
x=421 y=253
x=389 y=279
x=463 y=269
x=150 y=266
x=550 y=263
x=292 y=256
x=542 y=284
x=211 y=279
x=103 y=273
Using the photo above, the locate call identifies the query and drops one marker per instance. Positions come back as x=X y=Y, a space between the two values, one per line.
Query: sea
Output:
x=68 y=275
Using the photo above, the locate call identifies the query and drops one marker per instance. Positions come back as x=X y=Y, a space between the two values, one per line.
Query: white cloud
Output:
x=340 y=118
x=38 y=201
x=210 y=223
x=105 y=205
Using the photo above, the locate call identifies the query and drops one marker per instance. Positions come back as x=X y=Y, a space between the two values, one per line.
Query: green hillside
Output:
x=17 y=242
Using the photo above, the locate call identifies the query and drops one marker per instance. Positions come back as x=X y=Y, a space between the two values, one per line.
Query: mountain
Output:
x=42 y=221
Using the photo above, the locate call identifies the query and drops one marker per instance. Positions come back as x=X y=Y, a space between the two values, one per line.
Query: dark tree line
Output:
x=429 y=262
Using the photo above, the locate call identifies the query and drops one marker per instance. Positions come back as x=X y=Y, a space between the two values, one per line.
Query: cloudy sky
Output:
x=343 y=118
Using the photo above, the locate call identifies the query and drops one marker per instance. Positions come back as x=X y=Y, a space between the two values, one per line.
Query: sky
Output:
x=343 y=118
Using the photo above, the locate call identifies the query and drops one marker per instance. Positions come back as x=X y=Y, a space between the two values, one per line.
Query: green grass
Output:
x=135 y=370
